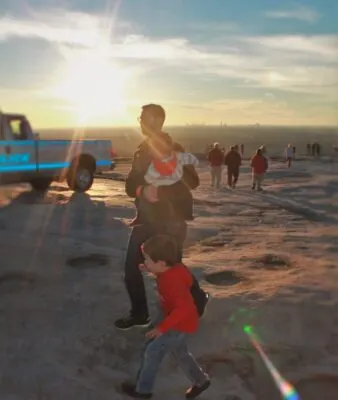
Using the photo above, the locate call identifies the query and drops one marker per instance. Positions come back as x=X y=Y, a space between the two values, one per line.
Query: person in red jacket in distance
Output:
x=259 y=165
x=180 y=319
x=216 y=160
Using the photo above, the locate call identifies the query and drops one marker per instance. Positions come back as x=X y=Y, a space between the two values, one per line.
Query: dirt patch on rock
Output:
x=16 y=281
x=272 y=262
x=88 y=261
x=224 y=278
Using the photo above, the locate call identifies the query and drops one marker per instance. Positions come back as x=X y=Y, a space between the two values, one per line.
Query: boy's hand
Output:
x=154 y=333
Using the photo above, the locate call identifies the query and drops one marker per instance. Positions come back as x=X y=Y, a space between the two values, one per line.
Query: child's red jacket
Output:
x=177 y=303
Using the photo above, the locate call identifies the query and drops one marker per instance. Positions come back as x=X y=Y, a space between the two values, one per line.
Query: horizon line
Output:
x=254 y=126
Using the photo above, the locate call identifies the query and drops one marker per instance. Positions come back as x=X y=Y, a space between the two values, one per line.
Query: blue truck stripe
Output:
x=45 y=166
x=33 y=167
x=47 y=142
x=12 y=166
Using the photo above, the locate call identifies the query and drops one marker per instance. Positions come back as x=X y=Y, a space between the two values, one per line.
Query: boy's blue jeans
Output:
x=173 y=342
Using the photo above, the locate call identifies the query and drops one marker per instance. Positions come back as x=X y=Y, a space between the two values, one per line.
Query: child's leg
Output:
x=188 y=364
x=152 y=357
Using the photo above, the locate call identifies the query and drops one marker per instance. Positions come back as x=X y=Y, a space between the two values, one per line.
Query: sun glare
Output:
x=92 y=86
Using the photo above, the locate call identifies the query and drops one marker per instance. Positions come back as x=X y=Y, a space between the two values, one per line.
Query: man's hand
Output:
x=154 y=333
x=150 y=193
x=142 y=268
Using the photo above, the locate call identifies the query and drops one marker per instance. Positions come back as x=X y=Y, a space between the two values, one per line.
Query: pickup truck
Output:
x=24 y=157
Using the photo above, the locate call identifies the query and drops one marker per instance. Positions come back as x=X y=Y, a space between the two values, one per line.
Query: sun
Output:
x=92 y=86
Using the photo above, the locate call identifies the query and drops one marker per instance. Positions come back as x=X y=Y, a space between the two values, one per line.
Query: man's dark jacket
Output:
x=175 y=201
x=233 y=160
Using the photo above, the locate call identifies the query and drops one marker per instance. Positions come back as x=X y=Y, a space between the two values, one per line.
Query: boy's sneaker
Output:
x=195 y=391
x=130 y=390
x=130 y=322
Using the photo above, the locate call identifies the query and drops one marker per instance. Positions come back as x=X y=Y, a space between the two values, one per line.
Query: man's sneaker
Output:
x=195 y=391
x=130 y=390
x=129 y=322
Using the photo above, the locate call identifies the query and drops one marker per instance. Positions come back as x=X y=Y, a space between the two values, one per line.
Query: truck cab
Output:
x=17 y=149
x=26 y=158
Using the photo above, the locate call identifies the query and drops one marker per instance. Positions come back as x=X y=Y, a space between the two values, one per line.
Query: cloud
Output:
x=291 y=63
x=300 y=13
x=61 y=26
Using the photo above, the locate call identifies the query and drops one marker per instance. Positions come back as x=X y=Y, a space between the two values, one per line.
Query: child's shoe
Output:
x=130 y=390
x=195 y=391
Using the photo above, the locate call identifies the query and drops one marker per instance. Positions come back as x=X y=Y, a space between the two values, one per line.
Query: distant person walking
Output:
x=259 y=165
x=233 y=162
x=216 y=158
x=308 y=149
x=242 y=150
x=263 y=150
x=289 y=155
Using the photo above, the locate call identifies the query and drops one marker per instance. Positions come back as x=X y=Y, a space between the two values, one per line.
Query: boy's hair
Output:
x=161 y=248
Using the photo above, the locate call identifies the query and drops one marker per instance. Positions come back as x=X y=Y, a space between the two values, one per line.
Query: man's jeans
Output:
x=173 y=342
x=132 y=274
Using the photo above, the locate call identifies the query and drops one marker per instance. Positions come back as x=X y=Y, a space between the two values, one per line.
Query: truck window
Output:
x=18 y=128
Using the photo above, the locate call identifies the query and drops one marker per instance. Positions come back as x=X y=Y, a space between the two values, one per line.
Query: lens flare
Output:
x=288 y=391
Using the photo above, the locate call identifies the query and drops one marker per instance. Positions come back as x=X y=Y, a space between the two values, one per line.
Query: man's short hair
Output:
x=162 y=248
x=155 y=110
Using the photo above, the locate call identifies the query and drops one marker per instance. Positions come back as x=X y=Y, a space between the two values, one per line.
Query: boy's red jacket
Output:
x=259 y=164
x=177 y=304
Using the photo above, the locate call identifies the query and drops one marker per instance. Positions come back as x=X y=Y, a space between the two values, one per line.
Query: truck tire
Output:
x=41 y=184
x=80 y=176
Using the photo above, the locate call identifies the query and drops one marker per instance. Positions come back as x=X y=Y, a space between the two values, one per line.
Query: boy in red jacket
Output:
x=180 y=320
x=259 y=165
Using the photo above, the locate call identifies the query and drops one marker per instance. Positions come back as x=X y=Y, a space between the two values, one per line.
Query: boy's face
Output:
x=152 y=266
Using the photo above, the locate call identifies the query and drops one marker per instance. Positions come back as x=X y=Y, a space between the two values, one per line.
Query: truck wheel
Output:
x=80 y=178
x=41 y=184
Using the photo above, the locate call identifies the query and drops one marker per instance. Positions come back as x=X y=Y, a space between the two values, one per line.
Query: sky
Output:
x=71 y=63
